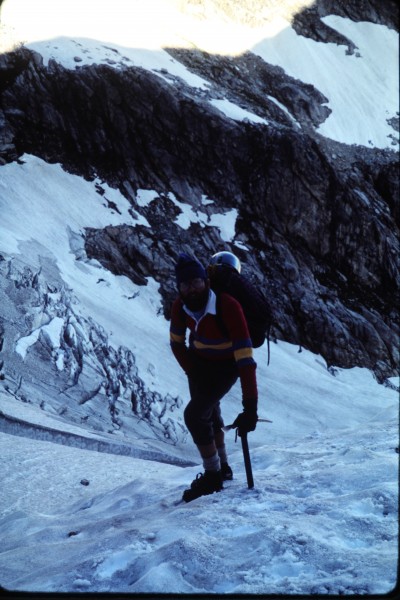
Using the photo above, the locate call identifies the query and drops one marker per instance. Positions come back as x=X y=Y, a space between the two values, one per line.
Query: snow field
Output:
x=321 y=519
x=322 y=516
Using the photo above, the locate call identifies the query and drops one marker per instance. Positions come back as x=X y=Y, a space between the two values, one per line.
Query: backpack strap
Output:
x=268 y=346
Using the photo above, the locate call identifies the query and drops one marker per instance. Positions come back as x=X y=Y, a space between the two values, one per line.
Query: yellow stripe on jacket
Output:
x=179 y=339
x=242 y=353
x=201 y=346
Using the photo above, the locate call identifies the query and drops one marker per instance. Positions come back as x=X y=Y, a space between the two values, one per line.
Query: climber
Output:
x=213 y=360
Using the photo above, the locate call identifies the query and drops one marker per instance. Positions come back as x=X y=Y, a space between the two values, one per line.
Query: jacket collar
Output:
x=210 y=309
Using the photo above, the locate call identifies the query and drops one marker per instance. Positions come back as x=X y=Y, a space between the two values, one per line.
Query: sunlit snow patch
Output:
x=224 y=222
x=233 y=111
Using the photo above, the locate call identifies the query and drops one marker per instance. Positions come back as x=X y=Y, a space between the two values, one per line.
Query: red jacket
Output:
x=208 y=341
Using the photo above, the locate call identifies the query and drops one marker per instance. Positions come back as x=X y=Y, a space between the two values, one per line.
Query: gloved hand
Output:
x=246 y=421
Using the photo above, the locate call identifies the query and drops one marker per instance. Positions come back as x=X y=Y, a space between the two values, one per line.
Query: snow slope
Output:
x=322 y=517
x=103 y=508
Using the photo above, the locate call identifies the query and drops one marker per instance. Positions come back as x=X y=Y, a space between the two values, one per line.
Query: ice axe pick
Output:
x=232 y=426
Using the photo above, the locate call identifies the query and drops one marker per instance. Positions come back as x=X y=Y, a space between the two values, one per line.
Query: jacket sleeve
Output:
x=236 y=325
x=177 y=334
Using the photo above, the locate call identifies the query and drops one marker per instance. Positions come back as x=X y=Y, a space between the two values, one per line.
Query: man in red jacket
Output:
x=213 y=360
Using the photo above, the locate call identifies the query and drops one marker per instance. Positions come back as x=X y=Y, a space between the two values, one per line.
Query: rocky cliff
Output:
x=319 y=218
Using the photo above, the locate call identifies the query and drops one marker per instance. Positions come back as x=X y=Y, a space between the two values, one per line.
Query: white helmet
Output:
x=226 y=258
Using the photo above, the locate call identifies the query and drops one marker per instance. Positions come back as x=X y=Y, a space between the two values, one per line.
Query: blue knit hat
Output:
x=188 y=268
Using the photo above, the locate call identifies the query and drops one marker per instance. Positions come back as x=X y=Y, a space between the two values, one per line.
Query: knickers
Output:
x=209 y=382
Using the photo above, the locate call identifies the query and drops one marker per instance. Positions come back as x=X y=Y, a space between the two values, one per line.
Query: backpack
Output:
x=255 y=307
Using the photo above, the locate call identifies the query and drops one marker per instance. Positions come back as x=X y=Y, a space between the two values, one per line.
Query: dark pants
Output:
x=208 y=384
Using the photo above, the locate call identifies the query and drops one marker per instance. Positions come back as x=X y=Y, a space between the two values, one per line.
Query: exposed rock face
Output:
x=321 y=218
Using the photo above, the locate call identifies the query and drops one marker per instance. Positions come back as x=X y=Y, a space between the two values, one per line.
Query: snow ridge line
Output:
x=14 y=426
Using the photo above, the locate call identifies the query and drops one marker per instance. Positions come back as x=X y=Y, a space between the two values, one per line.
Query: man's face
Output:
x=194 y=293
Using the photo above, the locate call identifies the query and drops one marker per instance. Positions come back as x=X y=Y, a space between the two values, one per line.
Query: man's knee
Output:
x=198 y=424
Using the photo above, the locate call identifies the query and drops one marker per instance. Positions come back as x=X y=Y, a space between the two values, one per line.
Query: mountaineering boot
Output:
x=226 y=472
x=204 y=484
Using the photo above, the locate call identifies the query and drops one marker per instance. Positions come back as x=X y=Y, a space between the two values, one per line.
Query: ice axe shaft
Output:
x=247 y=462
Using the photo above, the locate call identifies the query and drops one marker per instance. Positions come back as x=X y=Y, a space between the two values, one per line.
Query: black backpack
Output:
x=256 y=308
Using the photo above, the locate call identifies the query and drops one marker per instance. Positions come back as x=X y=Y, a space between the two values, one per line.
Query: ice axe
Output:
x=246 y=453
x=232 y=426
